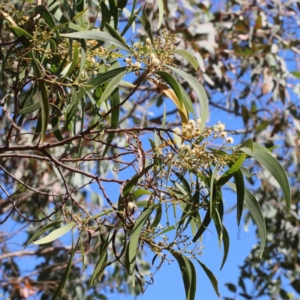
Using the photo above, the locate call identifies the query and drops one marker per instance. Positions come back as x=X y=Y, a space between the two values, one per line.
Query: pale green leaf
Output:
x=160 y=4
x=98 y=36
x=188 y=56
x=112 y=85
x=54 y=235
x=41 y=231
x=199 y=90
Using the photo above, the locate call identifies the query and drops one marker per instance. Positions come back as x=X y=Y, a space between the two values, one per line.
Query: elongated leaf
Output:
x=188 y=273
x=212 y=188
x=199 y=90
x=117 y=36
x=29 y=109
x=258 y=218
x=211 y=276
x=134 y=239
x=167 y=230
x=112 y=85
x=157 y=216
x=188 y=56
x=140 y=192
x=172 y=95
x=105 y=15
x=98 y=36
x=203 y=226
x=130 y=186
x=147 y=26
x=62 y=284
x=41 y=231
x=114 y=100
x=100 y=265
x=173 y=84
x=247 y=147
x=187 y=102
x=47 y=16
x=233 y=168
x=226 y=245
x=240 y=192
x=54 y=235
x=72 y=65
x=265 y=158
x=44 y=100
x=160 y=13
x=20 y=32
x=256 y=214
x=132 y=18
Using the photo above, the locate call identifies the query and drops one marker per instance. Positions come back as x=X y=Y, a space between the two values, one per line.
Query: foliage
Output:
x=80 y=148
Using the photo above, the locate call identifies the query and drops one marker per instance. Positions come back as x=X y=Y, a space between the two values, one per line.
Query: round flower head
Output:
x=192 y=123
x=137 y=65
x=198 y=121
x=229 y=140
x=148 y=41
x=177 y=130
x=155 y=62
x=223 y=134
x=220 y=127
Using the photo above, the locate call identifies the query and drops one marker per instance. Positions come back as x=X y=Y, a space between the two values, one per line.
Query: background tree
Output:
x=79 y=145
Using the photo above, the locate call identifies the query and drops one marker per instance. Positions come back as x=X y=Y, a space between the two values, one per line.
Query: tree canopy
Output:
x=106 y=138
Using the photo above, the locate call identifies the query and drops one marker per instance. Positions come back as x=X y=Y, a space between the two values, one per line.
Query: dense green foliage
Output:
x=91 y=143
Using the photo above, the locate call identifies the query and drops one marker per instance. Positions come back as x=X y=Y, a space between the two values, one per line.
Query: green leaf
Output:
x=47 y=16
x=173 y=84
x=132 y=17
x=212 y=196
x=199 y=90
x=62 y=284
x=160 y=5
x=140 y=192
x=240 y=192
x=30 y=109
x=98 y=36
x=247 y=147
x=232 y=169
x=19 y=32
x=265 y=158
x=258 y=218
x=112 y=85
x=188 y=273
x=134 y=239
x=129 y=186
x=147 y=26
x=41 y=231
x=167 y=229
x=54 y=235
x=157 y=216
x=256 y=214
x=226 y=245
x=72 y=65
x=188 y=56
x=117 y=36
x=105 y=13
x=203 y=226
x=115 y=101
x=44 y=100
x=211 y=276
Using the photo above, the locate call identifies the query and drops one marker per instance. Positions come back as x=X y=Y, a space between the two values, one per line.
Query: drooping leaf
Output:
x=134 y=239
x=199 y=90
x=72 y=65
x=188 y=56
x=44 y=100
x=240 y=192
x=203 y=226
x=188 y=273
x=211 y=276
x=265 y=158
x=147 y=26
x=54 y=235
x=173 y=84
x=226 y=245
x=160 y=5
